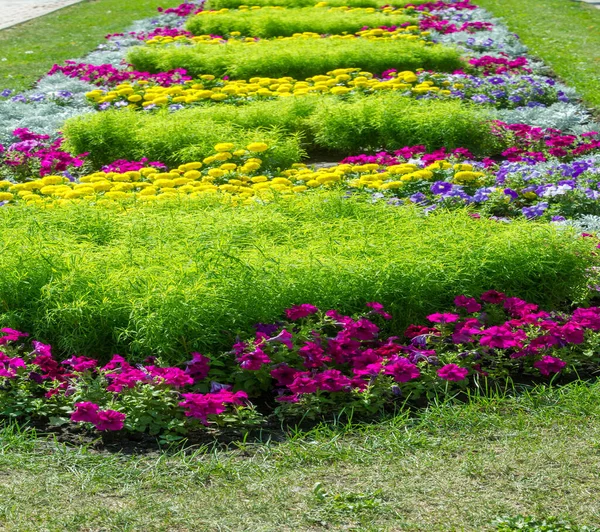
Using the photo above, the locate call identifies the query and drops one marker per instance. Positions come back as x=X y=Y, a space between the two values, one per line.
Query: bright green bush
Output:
x=234 y=4
x=325 y=123
x=170 y=138
x=269 y=22
x=172 y=278
x=299 y=58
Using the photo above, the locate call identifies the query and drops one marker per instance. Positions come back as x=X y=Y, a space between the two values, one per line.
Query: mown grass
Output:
x=325 y=124
x=269 y=22
x=29 y=50
x=454 y=466
x=565 y=34
x=234 y=4
x=298 y=58
x=173 y=278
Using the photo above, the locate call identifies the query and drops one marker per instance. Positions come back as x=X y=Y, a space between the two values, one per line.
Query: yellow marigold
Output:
x=224 y=146
x=257 y=146
x=6 y=196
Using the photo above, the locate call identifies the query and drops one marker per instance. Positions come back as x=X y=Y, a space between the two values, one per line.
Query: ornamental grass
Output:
x=281 y=22
x=298 y=57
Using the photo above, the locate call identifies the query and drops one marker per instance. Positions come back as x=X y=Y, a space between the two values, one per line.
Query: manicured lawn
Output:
x=27 y=51
x=565 y=34
x=452 y=467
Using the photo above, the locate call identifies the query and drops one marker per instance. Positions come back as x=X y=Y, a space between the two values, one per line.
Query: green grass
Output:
x=298 y=58
x=326 y=124
x=173 y=278
x=565 y=34
x=268 y=22
x=234 y=4
x=29 y=50
x=452 y=467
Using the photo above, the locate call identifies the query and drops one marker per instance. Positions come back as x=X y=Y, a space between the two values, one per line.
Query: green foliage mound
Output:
x=176 y=277
x=298 y=58
x=325 y=123
x=266 y=23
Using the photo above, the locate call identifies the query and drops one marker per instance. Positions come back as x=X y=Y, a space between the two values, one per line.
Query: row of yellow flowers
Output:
x=210 y=89
x=411 y=33
x=234 y=173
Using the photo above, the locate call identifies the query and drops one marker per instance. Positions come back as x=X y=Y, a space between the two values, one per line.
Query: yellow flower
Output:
x=224 y=146
x=257 y=146
x=6 y=196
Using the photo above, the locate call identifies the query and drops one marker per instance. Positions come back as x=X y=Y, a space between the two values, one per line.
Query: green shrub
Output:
x=176 y=277
x=234 y=4
x=325 y=123
x=269 y=22
x=298 y=58
x=169 y=138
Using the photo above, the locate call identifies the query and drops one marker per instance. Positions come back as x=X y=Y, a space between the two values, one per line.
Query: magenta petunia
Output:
x=549 y=364
x=109 y=420
x=502 y=337
x=85 y=412
x=300 y=311
x=303 y=383
x=468 y=303
x=198 y=367
x=452 y=372
x=445 y=317
x=491 y=296
x=332 y=380
x=402 y=369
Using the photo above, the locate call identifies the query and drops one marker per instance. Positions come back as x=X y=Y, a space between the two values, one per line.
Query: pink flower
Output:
x=303 y=383
x=109 y=420
x=42 y=349
x=378 y=309
x=301 y=311
x=80 y=364
x=117 y=361
x=502 y=337
x=468 y=303
x=362 y=329
x=175 y=377
x=313 y=355
x=253 y=361
x=332 y=380
x=200 y=406
x=283 y=374
x=85 y=412
x=284 y=337
x=11 y=335
x=446 y=317
x=588 y=318
x=198 y=368
x=452 y=372
x=127 y=378
x=491 y=296
x=549 y=364
x=402 y=369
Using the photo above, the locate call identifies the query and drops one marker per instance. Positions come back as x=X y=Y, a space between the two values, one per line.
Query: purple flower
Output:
x=401 y=369
x=441 y=187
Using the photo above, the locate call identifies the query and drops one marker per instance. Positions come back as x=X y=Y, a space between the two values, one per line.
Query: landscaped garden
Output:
x=279 y=264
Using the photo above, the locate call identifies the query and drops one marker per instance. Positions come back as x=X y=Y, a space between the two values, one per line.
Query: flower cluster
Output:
x=317 y=361
x=34 y=154
x=111 y=397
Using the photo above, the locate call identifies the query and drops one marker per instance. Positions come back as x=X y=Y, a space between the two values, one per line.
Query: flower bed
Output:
x=433 y=107
x=311 y=362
